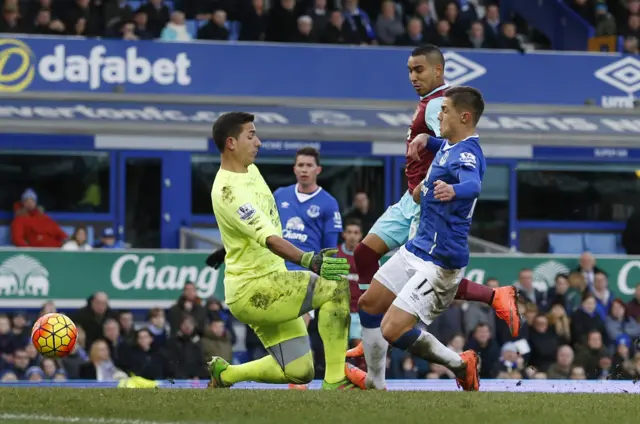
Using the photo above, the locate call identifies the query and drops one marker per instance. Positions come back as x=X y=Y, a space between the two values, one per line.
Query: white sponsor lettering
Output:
x=623 y=277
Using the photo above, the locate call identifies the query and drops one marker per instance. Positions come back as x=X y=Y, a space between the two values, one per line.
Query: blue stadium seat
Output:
x=206 y=232
x=135 y=4
x=5 y=235
x=234 y=30
x=170 y=5
x=602 y=243
x=192 y=28
x=566 y=243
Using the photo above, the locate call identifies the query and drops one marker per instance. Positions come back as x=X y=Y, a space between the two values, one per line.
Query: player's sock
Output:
x=426 y=346
x=268 y=370
x=367 y=263
x=468 y=290
x=375 y=349
x=333 y=326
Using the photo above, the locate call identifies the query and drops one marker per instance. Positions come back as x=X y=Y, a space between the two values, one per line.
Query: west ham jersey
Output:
x=354 y=287
x=311 y=222
x=445 y=226
x=425 y=120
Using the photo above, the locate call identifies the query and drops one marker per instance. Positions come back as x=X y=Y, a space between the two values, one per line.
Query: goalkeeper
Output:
x=258 y=288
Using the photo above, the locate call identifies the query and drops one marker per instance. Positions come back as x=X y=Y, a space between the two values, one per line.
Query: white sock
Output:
x=430 y=348
x=375 y=353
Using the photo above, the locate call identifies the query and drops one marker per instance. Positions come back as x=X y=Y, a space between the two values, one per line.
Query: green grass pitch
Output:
x=149 y=406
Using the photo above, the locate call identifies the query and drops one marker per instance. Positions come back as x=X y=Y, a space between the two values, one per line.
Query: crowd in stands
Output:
x=575 y=330
x=447 y=23
x=613 y=17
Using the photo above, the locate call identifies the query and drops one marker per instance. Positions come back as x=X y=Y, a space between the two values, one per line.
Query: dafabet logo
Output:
x=19 y=66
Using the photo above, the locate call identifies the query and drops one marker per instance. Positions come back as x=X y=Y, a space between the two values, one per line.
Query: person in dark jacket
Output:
x=189 y=304
x=141 y=360
x=544 y=344
x=217 y=341
x=585 y=320
x=93 y=316
x=183 y=355
x=487 y=348
x=216 y=28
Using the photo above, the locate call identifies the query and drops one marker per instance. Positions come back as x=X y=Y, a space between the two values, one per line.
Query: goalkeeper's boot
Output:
x=505 y=303
x=467 y=378
x=340 y=385
x=356 y=352
x=136 y=382
x=216 y=366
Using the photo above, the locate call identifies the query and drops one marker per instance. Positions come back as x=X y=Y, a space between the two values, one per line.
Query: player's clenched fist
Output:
x=324 y=265
x=443 y=191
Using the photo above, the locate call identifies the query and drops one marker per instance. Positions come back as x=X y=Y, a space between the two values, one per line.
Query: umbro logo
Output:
x=459 y=70
x=623 y=74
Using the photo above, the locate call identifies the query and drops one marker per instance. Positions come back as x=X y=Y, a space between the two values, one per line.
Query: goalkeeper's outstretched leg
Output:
x=273 y=306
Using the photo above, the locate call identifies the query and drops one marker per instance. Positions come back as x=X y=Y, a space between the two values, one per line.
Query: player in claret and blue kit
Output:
x=425 y=273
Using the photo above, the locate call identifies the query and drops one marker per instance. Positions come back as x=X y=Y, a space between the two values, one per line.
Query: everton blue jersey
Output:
x=309 y=221
x=444 y=226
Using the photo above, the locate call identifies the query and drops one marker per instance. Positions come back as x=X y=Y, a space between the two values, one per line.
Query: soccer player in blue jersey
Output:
x=425 y=273
x=310 y=216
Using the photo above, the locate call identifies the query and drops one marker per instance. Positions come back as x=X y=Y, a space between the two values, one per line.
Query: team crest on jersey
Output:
x=313 y=211
x=468 y=159
x=443 y=158
x=246 y=211
x=284 y=205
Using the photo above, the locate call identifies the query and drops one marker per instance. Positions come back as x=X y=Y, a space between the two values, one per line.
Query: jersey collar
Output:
x=442 y=87
x=303 y=197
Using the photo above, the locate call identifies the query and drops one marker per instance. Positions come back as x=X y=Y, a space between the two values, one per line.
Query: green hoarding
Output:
x=148 y=278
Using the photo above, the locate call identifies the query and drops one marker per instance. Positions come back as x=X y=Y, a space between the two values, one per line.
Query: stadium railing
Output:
x=192 y=239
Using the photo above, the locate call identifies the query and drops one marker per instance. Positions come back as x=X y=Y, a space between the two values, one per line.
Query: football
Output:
x=54 y=335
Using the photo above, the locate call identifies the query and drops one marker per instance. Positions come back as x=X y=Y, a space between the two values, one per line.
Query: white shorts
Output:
x=422 y=288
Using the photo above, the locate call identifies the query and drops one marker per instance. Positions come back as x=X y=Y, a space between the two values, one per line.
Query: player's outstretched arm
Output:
x=321 y=263
x=469 y=186
x=422 y=141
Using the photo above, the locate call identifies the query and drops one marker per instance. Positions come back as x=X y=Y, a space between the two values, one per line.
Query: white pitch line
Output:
x=91 y=420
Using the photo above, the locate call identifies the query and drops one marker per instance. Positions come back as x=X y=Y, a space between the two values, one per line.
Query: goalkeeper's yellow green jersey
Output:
x=247 y=215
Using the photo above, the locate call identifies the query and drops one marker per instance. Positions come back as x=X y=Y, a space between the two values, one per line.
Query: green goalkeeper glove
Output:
x=324 y=265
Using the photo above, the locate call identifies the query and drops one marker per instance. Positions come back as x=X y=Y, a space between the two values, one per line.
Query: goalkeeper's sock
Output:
x=267 y=370
x=333 y=326
x=375 y=349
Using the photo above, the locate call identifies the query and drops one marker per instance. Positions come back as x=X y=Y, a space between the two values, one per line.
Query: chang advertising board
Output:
x=94 y=67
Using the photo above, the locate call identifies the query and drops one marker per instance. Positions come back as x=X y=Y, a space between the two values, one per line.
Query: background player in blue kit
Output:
x=425 y=273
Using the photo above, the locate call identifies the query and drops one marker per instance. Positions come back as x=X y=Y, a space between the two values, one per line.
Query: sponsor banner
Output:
x=132 y=279
x=144 y=278
x=345 y=118
x=154 y=67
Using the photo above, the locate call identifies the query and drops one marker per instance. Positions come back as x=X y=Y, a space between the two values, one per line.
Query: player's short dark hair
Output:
x=431 y=52
x=353 y=221
x=229 y=125
x=308 y=151
x=468 y=99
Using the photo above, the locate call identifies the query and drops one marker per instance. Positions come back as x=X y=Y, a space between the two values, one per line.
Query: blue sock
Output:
x=407 y=340
x=368 y=320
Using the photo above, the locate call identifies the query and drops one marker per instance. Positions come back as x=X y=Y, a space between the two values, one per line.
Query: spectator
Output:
x=633 y=307
x=74 y=361
x=83 y=10
x=47 y=308
x=457 y=343
x=486 y=347
x=10 y=22
x=100 y=366
x=21 y=334
x=127 y=330
x=319 y=14
x=509 y=364
x=584 y=320
x=544 y=344
x=140 y=20
x=128 y=31
x=589 y=356
x=32 y=227
x=560 y=322
x=158 y=328
x=605 y=23
x=633 y=27
x=449 y=323
x=561 y=369
x=188 y=303
x=33 y=354
x=93 y=316
x=508 y=40
x=388 y=26
x=282 y=21
x=631 y=46
x=254 y=22
x=443 y=36
x=108 y=240
x=335 y=32
x=600 y=290
x=458 y=26
x=304 y=32
x=563 y=294
x=437 y=371
x=142 y=360
x=78 y=240
x=414 y=36
x=587 y=267
x=618 y=322
x=183 y=354
x=116 y=12
x=585 y=9
x=358 y=23
x=492 y=23
x=578 y=373
x=176 y=30
x=8 y=343
x=216 y=28
x=477 y=39
x=41 y=23
x=216 y=340
x=216 y=310
x=35 y=7
x=8 y=375
x=621 y=357
x=361 y=210
x=157 y=16
x=34 y=374
x=479 y=313
x=49 y=368
x=111 y=333
x=20 y=363
x=527 y=290
x=429 y=20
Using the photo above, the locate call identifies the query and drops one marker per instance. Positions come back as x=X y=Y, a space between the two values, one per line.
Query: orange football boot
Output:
x=471 y=381
x=506 y=306
x=356 y=375
x=358 y=351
